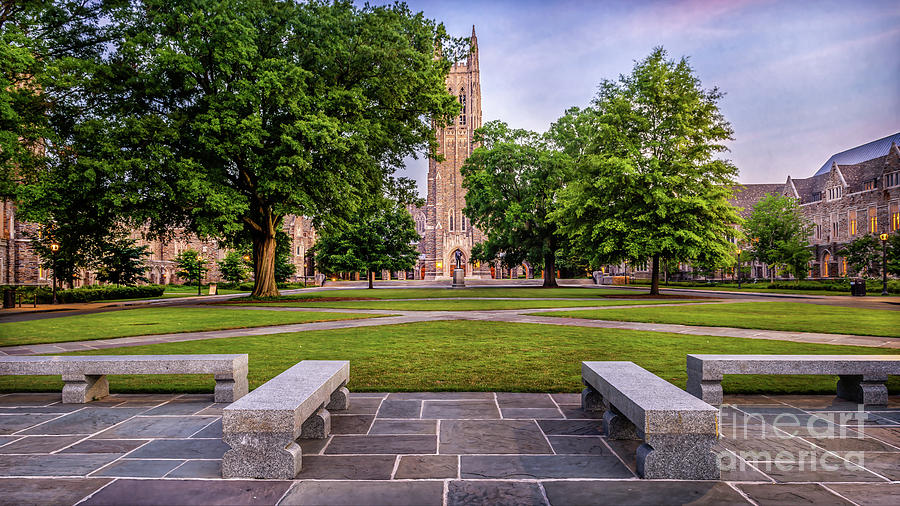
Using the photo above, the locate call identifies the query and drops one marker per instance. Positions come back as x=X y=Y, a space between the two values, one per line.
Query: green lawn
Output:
x=162 y=320
x=468 y=356
x=462 y=305
x=430 y=293
x=789 y=316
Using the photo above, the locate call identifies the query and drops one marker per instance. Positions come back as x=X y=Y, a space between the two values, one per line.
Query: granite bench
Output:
x=678 y=429
x=862 y=377
x=84 y=377
x=262 y=428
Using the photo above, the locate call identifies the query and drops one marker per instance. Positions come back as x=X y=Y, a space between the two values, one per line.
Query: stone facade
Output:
x=442 y=224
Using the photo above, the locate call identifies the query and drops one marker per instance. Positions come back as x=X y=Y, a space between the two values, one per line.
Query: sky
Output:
x=803 y=80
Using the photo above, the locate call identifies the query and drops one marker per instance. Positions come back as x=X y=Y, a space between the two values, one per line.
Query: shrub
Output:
x=99 y=292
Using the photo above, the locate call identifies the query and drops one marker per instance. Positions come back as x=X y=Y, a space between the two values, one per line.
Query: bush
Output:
x=837 y=285
x=99 y=292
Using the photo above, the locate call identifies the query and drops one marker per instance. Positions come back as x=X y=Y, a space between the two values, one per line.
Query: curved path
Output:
x=393 y=317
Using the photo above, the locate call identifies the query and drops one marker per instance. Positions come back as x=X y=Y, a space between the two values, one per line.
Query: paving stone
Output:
x=541 y=466
x=55 y=408
x=823 y=468
x=155 y=492
x=770 y=448
x=571 y=427
x=626 y=450
x=341 y=493
x=86 y=421
x=346 y=467
x=48 y=490
x=7 y=439
x=852 y=444
x=885 y=418
x=35 y=399
x=524 y=400
x=53 y=465
x=641 y=492
x=181 y=449
x=105 y=446
x=399 y=409
x=39 y=444
x=460 y=409
x=351 y=424
x=790 y=494
x=576 y=413
x=530 y=413
x=403 y=427
x=213 y=430
x=10 y=424
x=197 y=469
x=441 y=396
x=361 y=395
x=573 y=399
x=215 y=409
x=817 y=402
x=495 y=493
x=381 y=444
x=491 y=436
x=885 y=464
x=157 y=426
x=180 y=407
x=870 y=494
x=890 y=436
x=312 y=446
x=734 y=468
x=579 y=445
x=360 y=406
x=419 y=467
x=142 y=468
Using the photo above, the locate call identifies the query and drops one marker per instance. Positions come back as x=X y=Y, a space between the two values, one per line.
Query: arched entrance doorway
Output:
x=463 y=261
x=825 y=259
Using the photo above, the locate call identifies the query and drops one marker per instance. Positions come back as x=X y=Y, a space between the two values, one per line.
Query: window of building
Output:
x=892 y=179
x=834 y=230
x=873 y=220
x=852 y=223
x=451 y=221
x=462 y=220
x=895 y=216
x=835 y=193
x=462 y=114
x=869 y=185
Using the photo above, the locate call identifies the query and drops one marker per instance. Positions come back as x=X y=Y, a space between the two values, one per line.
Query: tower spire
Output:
x=472 y=59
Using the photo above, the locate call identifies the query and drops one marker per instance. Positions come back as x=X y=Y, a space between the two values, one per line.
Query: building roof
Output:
x=747 y=195
x=861 y=153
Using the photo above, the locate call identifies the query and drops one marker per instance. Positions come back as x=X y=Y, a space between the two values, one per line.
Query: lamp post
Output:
x=884 y=238
x=739 y=268
x=54 y=247
x=199 y=270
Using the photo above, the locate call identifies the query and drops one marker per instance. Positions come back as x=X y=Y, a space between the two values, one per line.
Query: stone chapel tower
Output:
x=446 y=228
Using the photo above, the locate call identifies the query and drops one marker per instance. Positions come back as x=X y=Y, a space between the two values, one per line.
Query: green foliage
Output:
x=382 y=240
x=284 y=268
x=99 y=292
x=893 y=253
x=123 y=262
x=234 y=268
x=511 y=182
x=191 y=265
x=647 y=183
x=778 y=234
x=863 y=255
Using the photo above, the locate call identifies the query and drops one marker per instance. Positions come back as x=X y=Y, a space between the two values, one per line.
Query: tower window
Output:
x=462 y=100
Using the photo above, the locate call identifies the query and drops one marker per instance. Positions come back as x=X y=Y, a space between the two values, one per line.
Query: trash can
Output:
x=9 y=298
x=858 y=288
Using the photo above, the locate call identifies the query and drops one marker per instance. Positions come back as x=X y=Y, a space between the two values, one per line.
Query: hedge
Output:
x=99 y=292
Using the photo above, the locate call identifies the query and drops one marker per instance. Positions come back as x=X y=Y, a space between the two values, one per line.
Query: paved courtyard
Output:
x=441 y=448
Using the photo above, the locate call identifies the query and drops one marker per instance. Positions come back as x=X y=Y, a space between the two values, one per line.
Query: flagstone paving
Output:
x=442 y=449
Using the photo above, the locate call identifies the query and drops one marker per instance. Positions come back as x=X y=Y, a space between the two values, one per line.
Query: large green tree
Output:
x=648 y=184
x=123 y=262
x=863 y=255
x=778 y=235
x=511 y=180
x=233 y=113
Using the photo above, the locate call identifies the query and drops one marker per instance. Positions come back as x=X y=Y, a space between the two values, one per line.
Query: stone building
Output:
x=444 y=228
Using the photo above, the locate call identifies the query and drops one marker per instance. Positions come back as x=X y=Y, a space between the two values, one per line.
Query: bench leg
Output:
x=230 y=388
x=591 y=400
x=81 y=388
x=618 y=426
x=709 y=391
x=317 y=426
x=867 y=390
x=252 y=456
x=340 y=399
x=678 y=457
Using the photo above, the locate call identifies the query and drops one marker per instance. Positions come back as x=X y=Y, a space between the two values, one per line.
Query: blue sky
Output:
x=803 y=80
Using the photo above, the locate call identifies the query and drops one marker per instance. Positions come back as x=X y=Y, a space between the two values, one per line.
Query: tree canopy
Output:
x=779 y=234
x=511 y=180
x=647 y=183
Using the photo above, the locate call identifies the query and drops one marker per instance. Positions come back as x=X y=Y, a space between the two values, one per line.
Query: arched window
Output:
x=462 y=114
x=462 y=220
x=451 y=221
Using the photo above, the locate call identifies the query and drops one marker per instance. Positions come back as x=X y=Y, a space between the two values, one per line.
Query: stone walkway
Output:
x=392 y=317
x=441 y=449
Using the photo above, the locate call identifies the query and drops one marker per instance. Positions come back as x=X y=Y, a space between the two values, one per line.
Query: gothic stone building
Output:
x=856 y=192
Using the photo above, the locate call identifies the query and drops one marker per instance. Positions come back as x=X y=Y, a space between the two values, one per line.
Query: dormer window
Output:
x=869 y=185
x=892 y=179
x=835 y=192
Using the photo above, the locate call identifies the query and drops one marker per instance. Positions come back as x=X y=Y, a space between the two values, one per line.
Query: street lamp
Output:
x=199 y=271
x=54 y=247
x=739 y=268
x=884 y=238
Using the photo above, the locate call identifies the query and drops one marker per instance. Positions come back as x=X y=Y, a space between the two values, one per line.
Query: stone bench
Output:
x=84 y=377
x=678 y=429
x=862 y=377
x=262 y=428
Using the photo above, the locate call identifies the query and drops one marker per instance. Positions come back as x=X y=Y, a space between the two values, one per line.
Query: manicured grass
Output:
x=463 y=305
x=431 y=293
x=790 y=316
x=469 y=356
x=162 y=320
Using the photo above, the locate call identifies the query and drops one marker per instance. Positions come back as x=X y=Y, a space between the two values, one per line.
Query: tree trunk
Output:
x=549 y=271
x=264 y=266
x=371 y=277
x=654 y=276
